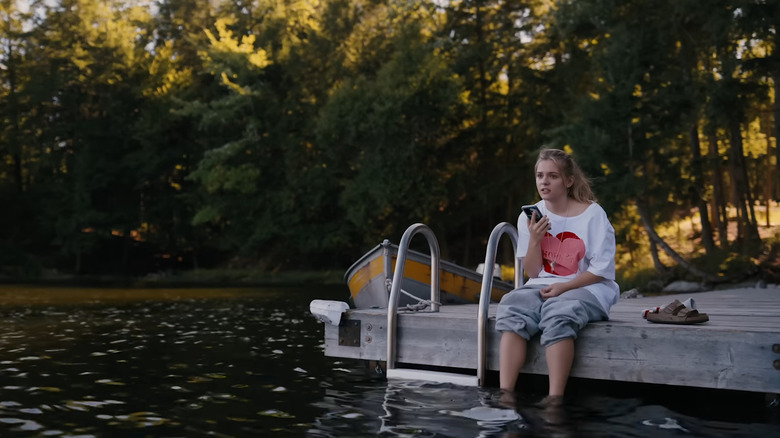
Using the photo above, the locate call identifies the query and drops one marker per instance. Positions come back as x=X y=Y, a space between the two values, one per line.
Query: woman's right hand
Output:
x=538 y=228
x=533 y=262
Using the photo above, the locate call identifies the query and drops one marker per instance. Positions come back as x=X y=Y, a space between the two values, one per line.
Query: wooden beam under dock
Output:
x=738 y=349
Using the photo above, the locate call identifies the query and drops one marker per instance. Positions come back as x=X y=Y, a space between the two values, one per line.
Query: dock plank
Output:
x=738 y=349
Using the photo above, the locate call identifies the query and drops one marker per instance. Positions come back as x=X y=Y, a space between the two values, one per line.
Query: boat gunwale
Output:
x=425 y=259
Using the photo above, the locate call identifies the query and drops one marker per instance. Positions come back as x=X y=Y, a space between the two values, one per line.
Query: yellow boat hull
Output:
x=368 y=279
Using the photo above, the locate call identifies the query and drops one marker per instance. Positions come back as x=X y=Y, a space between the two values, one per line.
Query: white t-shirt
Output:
x=574 y=245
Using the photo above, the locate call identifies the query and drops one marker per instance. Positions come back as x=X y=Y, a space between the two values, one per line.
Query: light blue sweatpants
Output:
x=523 y=311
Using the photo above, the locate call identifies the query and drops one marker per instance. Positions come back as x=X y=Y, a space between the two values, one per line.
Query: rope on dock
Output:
x=421 y=304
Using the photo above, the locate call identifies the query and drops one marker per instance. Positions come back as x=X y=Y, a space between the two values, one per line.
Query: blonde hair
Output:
x=580 y=190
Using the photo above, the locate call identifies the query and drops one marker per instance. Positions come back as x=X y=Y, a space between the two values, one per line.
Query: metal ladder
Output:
x=487 y=285
x=484 y=302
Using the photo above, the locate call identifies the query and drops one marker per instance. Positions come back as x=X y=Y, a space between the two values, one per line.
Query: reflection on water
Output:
x=249 y=362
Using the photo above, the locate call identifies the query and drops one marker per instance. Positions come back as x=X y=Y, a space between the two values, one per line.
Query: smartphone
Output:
x=530 y=209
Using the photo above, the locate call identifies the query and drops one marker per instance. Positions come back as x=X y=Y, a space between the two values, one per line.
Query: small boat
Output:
x=370 y=277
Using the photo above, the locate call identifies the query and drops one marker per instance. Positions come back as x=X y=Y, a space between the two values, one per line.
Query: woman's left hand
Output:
x=553 y=290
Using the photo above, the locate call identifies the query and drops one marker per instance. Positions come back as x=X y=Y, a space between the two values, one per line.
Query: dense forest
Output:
x=157 y=136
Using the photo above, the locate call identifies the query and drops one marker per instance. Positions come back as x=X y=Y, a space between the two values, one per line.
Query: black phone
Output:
x=530 y=209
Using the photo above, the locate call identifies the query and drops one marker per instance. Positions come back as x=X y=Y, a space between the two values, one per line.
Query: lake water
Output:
x=85 y=362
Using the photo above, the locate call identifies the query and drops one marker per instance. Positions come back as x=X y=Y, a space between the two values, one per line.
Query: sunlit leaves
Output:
x=225 y=44
x=165 y=76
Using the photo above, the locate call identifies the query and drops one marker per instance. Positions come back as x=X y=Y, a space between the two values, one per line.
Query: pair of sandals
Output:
x=677 y=313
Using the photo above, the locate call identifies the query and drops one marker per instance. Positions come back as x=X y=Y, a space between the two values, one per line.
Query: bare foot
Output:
x=552 y=401
x=553 y=411
x=507 y=399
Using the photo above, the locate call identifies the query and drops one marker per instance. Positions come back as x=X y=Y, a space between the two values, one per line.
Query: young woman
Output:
x=569 y=257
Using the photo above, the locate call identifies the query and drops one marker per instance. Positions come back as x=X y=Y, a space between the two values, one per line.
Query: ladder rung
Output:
x=435 y=376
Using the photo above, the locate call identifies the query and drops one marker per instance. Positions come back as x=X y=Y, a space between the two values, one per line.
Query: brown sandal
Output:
x=676 y=313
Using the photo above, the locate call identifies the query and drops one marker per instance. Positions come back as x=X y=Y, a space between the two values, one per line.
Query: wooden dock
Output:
x=738 y=349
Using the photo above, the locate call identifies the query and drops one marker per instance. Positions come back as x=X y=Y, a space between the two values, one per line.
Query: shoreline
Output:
x=247 y=278
x=188 y=279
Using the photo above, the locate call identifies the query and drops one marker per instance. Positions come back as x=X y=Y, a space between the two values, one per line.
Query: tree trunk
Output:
x=769 y=182
x=15 y=146
x=659 y=267
x=482 y=72
x=776 y=117
x=776 y=105
x=718 y=201
x=657 y=240
x=701 y=203
x=77 y=264
x=742 y=191
x=467 y=248
x=124 y=268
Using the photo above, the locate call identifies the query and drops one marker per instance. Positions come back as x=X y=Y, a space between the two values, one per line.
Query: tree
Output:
x=632 y=104
x=170 y=145
x=89 y=103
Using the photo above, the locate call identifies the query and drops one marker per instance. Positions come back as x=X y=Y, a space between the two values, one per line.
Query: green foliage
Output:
x=385 y=134
x=282 y=134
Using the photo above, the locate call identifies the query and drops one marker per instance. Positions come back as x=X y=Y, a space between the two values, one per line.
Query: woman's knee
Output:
x=524 y=297
x=577 y=304
x=518 y=312
x=554 y=335
x=562 y=319
x=568 y=309
x=520 y=324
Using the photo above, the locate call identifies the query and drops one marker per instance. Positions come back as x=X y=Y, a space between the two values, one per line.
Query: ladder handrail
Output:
x=398 y=275
x=487 y=287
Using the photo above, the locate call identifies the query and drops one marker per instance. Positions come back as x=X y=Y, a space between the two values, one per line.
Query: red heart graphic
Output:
x=565 y=250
